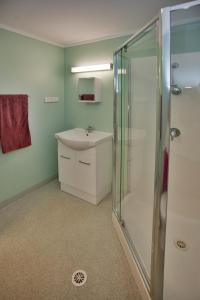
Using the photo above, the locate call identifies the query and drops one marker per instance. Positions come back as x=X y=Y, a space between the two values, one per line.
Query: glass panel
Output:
x=124 y=125
x=139 y=85
x=121 y=116
x=117 y=128
x=182 y=253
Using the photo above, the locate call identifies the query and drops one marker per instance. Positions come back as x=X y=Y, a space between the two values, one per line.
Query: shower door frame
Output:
x=155 y=286
x=155 y=21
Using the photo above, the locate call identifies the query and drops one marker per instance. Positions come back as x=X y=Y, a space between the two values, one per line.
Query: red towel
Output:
x=14 y=128
x=87 y=97
x=165 y=171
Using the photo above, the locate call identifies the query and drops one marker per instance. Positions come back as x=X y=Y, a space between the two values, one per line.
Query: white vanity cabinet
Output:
x=86 y=174
x=66 y=161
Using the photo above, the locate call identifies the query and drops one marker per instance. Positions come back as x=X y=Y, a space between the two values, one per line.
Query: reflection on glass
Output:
x=138 y=135
x=118 y=95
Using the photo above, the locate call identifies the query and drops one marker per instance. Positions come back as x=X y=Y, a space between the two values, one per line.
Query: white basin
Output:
x=80 y=139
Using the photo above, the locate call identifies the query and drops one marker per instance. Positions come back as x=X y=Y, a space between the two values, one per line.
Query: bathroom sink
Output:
x=80 y=139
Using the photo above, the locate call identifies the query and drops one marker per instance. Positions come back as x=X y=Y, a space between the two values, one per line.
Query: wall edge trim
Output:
x=101 y=39
x=29 y=35
x=32 y=188
x=67 y=45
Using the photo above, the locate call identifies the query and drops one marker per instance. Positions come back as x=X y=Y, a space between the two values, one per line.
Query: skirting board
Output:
x=30 y=189
x=94 y=199
x=134 y=268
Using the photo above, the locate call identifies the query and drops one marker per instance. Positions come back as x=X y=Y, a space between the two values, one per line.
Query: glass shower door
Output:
x=138 y=144
x=182 y=252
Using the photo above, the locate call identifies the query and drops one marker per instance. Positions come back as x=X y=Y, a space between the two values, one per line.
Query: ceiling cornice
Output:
x=35 y=37
x=109 y=37
x=32 y=36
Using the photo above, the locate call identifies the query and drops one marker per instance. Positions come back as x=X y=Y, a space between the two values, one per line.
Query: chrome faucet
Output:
x=89 y=128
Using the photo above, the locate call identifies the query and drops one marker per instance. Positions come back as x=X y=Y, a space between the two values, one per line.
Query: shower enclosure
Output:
x=157 y=151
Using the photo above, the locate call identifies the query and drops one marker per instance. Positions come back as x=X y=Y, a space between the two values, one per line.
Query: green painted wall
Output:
x=36 y=68
x=99 y=115
x=39 y=69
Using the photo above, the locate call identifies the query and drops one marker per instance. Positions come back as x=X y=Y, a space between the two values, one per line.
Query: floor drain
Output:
x=180 y=244
x=79 y=278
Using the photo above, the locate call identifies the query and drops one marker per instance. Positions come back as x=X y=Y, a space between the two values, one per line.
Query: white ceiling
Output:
x=69 y=22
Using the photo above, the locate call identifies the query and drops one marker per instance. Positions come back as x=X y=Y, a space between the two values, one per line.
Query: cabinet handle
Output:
x=65 y=157
x=83 y=162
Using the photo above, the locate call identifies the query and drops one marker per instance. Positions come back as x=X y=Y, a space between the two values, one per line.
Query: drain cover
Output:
x=181 y=245
x=79 y=278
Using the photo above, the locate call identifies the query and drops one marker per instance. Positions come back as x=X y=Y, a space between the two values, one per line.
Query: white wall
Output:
x=182 y=272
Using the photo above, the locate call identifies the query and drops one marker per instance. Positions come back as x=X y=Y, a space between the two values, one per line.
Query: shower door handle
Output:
x=174 y=132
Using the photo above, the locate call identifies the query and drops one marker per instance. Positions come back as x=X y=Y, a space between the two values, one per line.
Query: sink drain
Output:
x=79 y=278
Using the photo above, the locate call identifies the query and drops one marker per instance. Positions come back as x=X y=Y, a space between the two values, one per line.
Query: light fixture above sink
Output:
x=92 y=68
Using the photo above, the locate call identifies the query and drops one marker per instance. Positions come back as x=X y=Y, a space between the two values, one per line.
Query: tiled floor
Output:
x=46 y=235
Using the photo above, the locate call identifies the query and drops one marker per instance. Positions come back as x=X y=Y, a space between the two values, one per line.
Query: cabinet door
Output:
x=66 y=165
x=86 y=171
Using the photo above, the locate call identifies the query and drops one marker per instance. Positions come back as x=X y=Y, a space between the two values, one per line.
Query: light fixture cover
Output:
x=92 y=68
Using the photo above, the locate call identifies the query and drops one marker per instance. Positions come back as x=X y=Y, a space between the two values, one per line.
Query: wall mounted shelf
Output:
x=89 y=90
